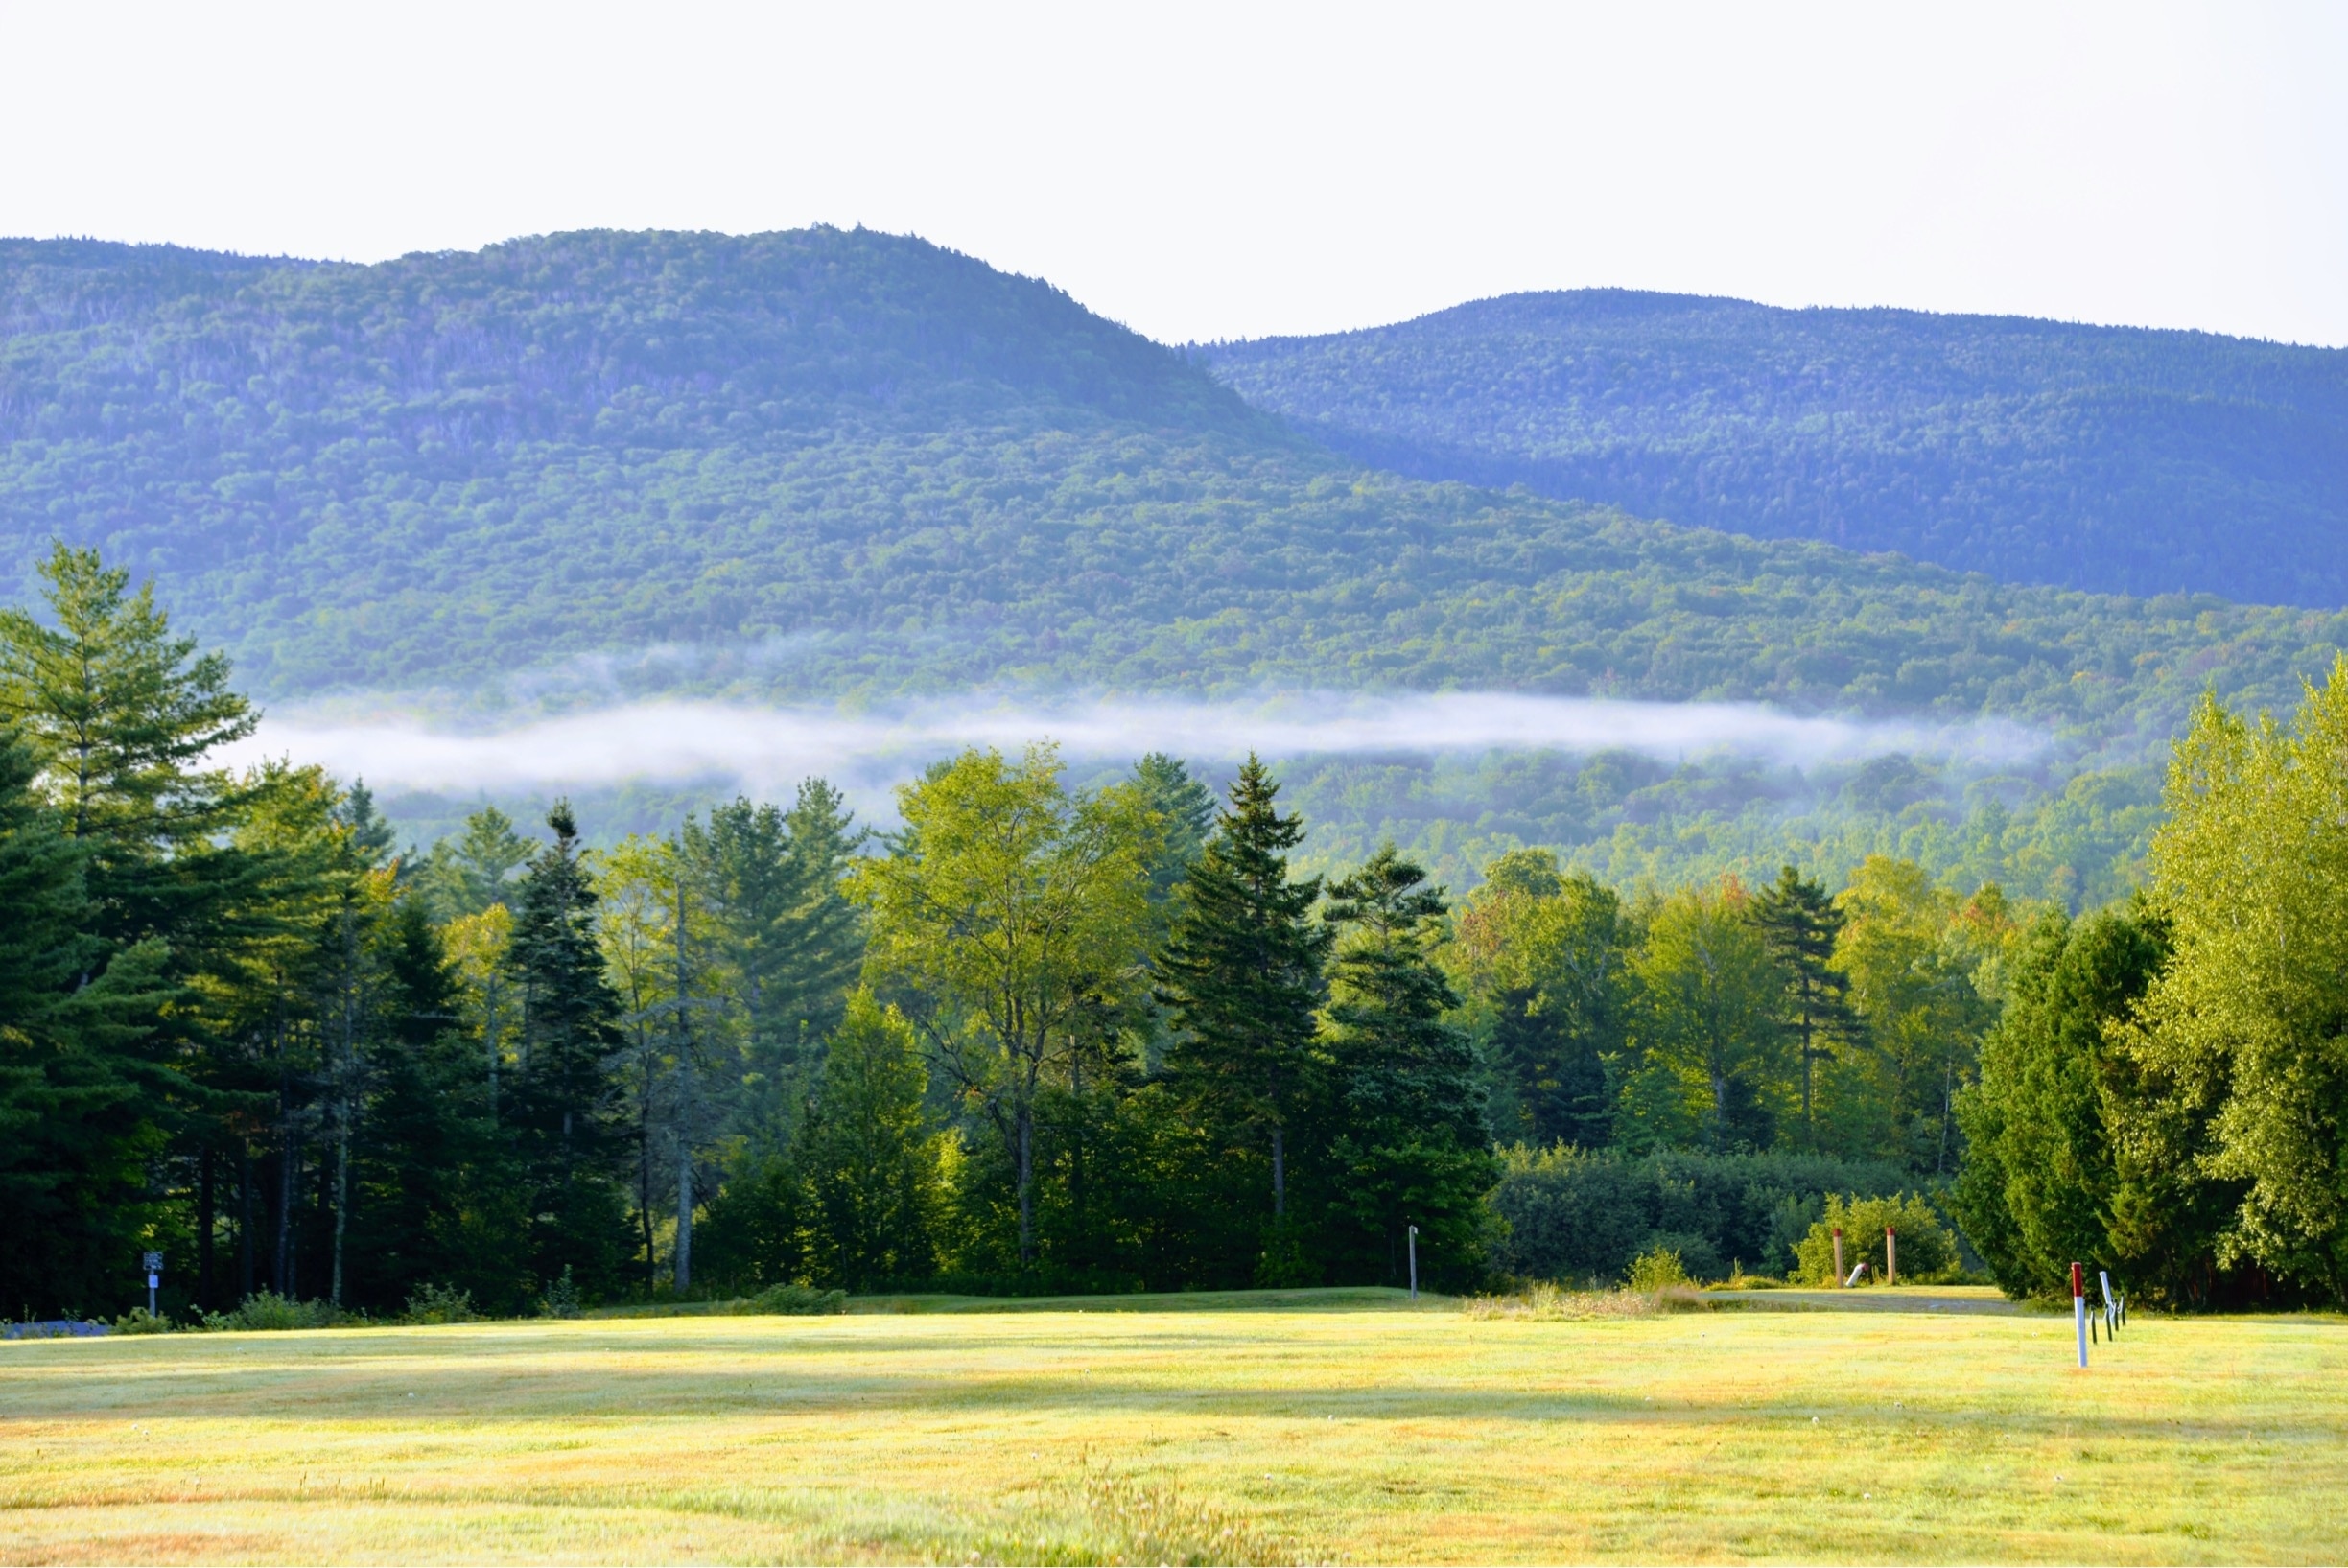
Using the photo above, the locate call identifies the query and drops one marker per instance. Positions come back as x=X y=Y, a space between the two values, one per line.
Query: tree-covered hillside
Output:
x=827 y=463
x=2111 y=459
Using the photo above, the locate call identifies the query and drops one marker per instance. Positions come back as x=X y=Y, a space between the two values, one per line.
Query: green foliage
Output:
x=560 y=1107
x=428 y=1303
x=1927 y=1250
x=1799 y=925
x=465 y=876
x=1241 y=978
x=265 y=1311
x=789 y=939
x=2241 y=1047
x=1710 y=1059
x=869 y=1155
x=1015 y=919
x=1656 y=1270
x=563 y=1297
x=795 y=1301
x=139 y=1321
x=2058 y=1166
x=1993 y=444
x=1911 y=953
x=1543 y=960
x=1411 y=1147
x=1578 y=1216
x=824 y=464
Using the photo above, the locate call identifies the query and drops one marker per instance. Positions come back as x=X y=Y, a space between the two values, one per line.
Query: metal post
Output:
x=154 y=1277
x=2111 y=1313
x=1837 y=1279
x=2078 y=1309
x=1414 y=1262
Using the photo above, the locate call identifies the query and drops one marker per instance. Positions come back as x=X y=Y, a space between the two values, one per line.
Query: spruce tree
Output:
x=1187 y=813
x=77 y=1121
x=1241 y=977
x=1413 y=1144
x=465 y=876
x=561 y=1109
x=119 y=713
x=1800 y=922
x=790 y=939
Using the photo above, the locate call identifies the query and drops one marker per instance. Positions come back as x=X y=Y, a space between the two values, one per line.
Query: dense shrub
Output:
x=440 y=1304
x=1583 y=1215
x=266 y=1310
x=562 y=1298
x=1927 y=1250
x=795 y=1301
x=1659 y=1269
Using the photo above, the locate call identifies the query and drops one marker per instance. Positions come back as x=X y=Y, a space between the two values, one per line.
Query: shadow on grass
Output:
x=1328 y=1299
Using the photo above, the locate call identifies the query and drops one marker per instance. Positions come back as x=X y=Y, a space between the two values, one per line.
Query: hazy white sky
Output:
x=1204 y=170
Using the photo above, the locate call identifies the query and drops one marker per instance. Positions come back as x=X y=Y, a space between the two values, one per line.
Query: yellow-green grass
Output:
x=1311 y=1433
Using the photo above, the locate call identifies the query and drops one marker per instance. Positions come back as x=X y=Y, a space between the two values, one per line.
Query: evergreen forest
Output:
x=1041 y=1034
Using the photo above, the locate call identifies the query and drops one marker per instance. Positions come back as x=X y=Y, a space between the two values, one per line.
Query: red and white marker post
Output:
x=2079 y=1308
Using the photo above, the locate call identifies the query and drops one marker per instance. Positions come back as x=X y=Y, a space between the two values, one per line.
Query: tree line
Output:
x=1041 y=1038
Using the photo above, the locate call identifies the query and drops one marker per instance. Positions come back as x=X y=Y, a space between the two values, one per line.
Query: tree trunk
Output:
x=681 y=1264
x=204 y=1228
x=341 y=1197
x=1024 y=1123
x=1076 y=1152
x=281 y=1270
x=489 y=1033
x=1809 y=1061
x=346 y=1070
x=1280 y=1172
x=685 y=1211
x=244 y=1221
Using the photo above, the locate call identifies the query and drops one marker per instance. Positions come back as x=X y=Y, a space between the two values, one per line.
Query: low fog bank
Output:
x=765 y=751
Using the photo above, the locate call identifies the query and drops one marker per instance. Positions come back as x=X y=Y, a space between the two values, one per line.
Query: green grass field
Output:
x=1339 y=1427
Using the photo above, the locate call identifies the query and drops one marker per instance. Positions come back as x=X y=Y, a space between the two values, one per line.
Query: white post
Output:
x=1891 y=1256
x=2111 y=1313
x=1414 y=1262
x=2078 y=1309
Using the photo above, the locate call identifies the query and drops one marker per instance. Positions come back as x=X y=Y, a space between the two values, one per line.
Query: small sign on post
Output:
x=1838 y=1238
x=153 y=1262
x=1414 y=1262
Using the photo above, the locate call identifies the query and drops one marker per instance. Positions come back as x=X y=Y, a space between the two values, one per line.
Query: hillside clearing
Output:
x=1362 y=1433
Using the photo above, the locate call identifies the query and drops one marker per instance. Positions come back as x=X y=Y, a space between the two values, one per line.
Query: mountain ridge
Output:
x=849 y=465
x=2107 y=459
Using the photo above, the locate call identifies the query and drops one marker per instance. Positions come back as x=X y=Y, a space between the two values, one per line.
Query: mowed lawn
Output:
x=1345 y=1429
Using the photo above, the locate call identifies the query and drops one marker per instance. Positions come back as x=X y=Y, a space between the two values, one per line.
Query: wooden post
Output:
x=1837 y=1279
x=1891 y=1256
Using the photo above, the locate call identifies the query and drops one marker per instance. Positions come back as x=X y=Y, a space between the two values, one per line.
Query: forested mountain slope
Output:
x=2112 y=459
x=825 y=463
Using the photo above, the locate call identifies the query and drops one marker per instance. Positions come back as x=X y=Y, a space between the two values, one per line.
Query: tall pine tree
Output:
x=1801 y=923
x=1412 y=1145
x=1241 y=978
x=561 y=1109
